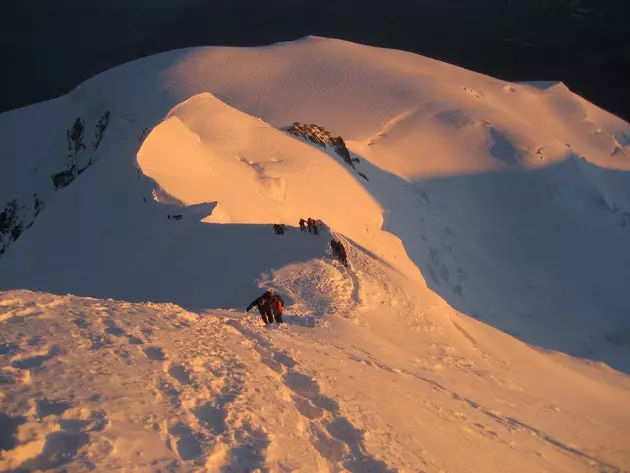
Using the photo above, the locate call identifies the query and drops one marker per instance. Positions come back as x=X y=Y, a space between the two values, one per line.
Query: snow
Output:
x=481 y=325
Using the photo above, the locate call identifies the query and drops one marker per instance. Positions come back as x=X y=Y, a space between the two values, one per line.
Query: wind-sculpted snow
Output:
x=140 y=212
x=172 y=389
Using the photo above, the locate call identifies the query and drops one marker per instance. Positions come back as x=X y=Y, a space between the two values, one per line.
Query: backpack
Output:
x=276 y=305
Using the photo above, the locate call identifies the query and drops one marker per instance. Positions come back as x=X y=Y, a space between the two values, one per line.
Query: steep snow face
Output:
x=461 y=195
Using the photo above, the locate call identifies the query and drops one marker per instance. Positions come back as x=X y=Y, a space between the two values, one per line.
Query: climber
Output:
x=341 y=254
x=339 y=251
x=269 y=305
x=334 y=246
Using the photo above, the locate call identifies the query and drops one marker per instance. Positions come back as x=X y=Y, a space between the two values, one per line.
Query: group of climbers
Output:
x=279 y=228
x=271 y=304
x=311 y=224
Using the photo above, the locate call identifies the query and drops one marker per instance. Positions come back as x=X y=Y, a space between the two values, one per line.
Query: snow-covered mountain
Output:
x=137 y=226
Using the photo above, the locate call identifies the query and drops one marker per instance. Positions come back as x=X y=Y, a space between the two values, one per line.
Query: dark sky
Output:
x=48 y=47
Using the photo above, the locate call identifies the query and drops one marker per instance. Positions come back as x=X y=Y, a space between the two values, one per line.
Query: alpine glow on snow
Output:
x=481 y=324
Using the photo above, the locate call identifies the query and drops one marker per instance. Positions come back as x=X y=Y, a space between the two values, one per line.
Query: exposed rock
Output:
x=101 y=126
x=38 y=204
x=9 y=217
x=322 y=137
x=75 y=136
x=18 y=217
x=63 y=178
x=143 y=135
x=11 y=225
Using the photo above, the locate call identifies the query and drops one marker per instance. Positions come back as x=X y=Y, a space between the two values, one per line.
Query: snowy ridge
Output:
x=483 y=310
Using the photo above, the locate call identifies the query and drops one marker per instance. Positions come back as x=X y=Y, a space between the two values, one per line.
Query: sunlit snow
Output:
x=481 y=325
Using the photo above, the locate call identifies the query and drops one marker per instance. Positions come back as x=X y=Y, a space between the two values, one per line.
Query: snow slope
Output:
x=485 y=205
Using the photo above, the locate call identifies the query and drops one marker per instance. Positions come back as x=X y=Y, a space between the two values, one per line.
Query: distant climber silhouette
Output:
x=339 y=251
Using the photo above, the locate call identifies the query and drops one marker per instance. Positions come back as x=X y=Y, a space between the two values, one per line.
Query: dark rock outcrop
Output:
x=19 y=215
x=101 y=126
x=322 y=137
x=15 y=218
x=63 y=178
